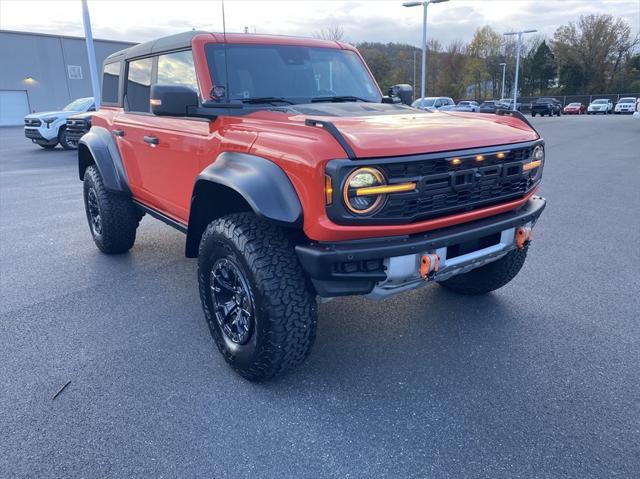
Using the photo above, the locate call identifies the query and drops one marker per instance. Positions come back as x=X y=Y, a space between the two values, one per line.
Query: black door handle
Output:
x=152 y=140
x=118 y=132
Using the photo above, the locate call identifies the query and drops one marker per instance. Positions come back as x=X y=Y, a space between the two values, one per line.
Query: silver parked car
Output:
x=433 y=102
x=464 y=105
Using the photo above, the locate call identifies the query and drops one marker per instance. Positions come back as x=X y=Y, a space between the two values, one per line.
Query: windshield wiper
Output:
x=267 y=99
x=338 y=99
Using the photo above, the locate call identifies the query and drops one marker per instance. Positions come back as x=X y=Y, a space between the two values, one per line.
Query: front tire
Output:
x=113 y=219
x=64 y=142
x=261 y=311
x=489 y=277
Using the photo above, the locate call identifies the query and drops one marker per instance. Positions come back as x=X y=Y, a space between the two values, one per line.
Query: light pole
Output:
x=91 y=54
x=413 y=86
x=425 y=5
x=504 y=68
x=515 y=86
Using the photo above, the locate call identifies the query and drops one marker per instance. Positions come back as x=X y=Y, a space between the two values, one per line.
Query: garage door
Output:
x=14 y=105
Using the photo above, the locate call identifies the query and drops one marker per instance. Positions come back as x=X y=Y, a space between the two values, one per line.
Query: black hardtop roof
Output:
x=172 y=42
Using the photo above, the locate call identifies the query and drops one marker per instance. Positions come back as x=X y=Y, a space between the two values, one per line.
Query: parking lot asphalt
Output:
x=539 y=379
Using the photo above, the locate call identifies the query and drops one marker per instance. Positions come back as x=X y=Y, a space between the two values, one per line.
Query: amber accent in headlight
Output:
x=362 y=179
x=537 y=160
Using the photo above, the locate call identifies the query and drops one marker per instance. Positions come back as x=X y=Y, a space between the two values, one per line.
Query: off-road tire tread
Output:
x=120 y=217
x=288 y=304
x=489 y=277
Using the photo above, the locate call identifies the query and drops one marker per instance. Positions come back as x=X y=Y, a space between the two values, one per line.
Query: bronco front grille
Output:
x=443 y=186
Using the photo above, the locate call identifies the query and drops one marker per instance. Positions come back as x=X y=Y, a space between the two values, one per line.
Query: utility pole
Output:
x=515 y=86
x=91 y=53
x=425 y=5
x=504 y=68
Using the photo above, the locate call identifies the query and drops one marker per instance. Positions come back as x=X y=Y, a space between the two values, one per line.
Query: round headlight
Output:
x=362 y=178
x=538 y=153
x=537 y=157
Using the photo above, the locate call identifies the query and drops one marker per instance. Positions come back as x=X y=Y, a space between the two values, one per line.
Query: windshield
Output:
x=81 y=104
x=293 y=73
x=627 y=100
x=428 y=102
x=573 y=104
x=600 y=101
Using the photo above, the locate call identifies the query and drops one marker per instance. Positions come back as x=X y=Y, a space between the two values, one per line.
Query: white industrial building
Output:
x=40 y=72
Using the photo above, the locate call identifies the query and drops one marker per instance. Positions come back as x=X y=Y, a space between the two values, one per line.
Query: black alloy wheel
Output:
x=93 y=208
x=232 y=300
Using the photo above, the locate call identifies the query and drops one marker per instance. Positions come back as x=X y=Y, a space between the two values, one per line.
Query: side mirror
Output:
x=403 y=91
x=172 y=100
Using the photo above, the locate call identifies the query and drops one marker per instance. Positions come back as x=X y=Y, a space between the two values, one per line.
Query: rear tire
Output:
x=489 y=277
x=261 y=311
x=533 y=114
x=113 y=218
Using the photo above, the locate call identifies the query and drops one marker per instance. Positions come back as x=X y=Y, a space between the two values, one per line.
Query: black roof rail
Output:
x=517 y=114
x=331 y=128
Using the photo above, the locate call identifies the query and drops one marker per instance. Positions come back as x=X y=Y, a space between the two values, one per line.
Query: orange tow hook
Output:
x=523 y=236
x=428 y=265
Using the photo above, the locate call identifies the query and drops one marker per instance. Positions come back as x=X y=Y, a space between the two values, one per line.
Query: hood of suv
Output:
x=407 y=131
x=48 y=114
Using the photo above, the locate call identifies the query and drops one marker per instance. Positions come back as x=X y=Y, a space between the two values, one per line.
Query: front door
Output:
x=162 y=155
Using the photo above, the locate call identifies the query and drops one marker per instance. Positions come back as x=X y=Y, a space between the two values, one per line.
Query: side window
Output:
x=110 y=81
x=138 y=92
x=177 y=69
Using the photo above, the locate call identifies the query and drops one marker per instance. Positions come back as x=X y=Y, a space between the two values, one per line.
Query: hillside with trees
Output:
x=596 y=54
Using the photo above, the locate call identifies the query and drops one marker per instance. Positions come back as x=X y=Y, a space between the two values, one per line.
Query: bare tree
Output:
x=333 y=32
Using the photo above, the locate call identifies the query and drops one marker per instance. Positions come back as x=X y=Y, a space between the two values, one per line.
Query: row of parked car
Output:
x=66 y=126
x=542 y=106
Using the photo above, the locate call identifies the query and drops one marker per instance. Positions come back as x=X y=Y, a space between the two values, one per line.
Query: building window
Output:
x=74 y=72
x=110 y=81
x=138 y=91
x=177 y=69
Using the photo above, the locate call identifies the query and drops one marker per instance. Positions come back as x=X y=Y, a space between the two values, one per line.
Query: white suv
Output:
x=625 y=105
x=48 y=128
x=433 y=102
x=636 y=115
x=601 y=105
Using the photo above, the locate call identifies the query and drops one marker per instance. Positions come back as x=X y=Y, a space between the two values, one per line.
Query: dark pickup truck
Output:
x=546 y=106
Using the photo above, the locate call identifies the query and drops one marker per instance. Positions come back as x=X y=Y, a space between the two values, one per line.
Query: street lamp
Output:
x=504 y=67
x=515 y=87
x=424 y=4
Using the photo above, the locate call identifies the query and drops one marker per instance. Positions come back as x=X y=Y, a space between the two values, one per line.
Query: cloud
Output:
x=383 y=21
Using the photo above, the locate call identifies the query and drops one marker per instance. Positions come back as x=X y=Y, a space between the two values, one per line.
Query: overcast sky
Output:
x=373 y=20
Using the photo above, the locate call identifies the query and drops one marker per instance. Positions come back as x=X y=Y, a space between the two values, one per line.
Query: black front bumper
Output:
x=325 y=263
x=34 y=134
x=74 y=134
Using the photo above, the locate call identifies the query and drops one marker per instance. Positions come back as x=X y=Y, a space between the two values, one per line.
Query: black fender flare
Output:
x=262 y=184
x=99 y=147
